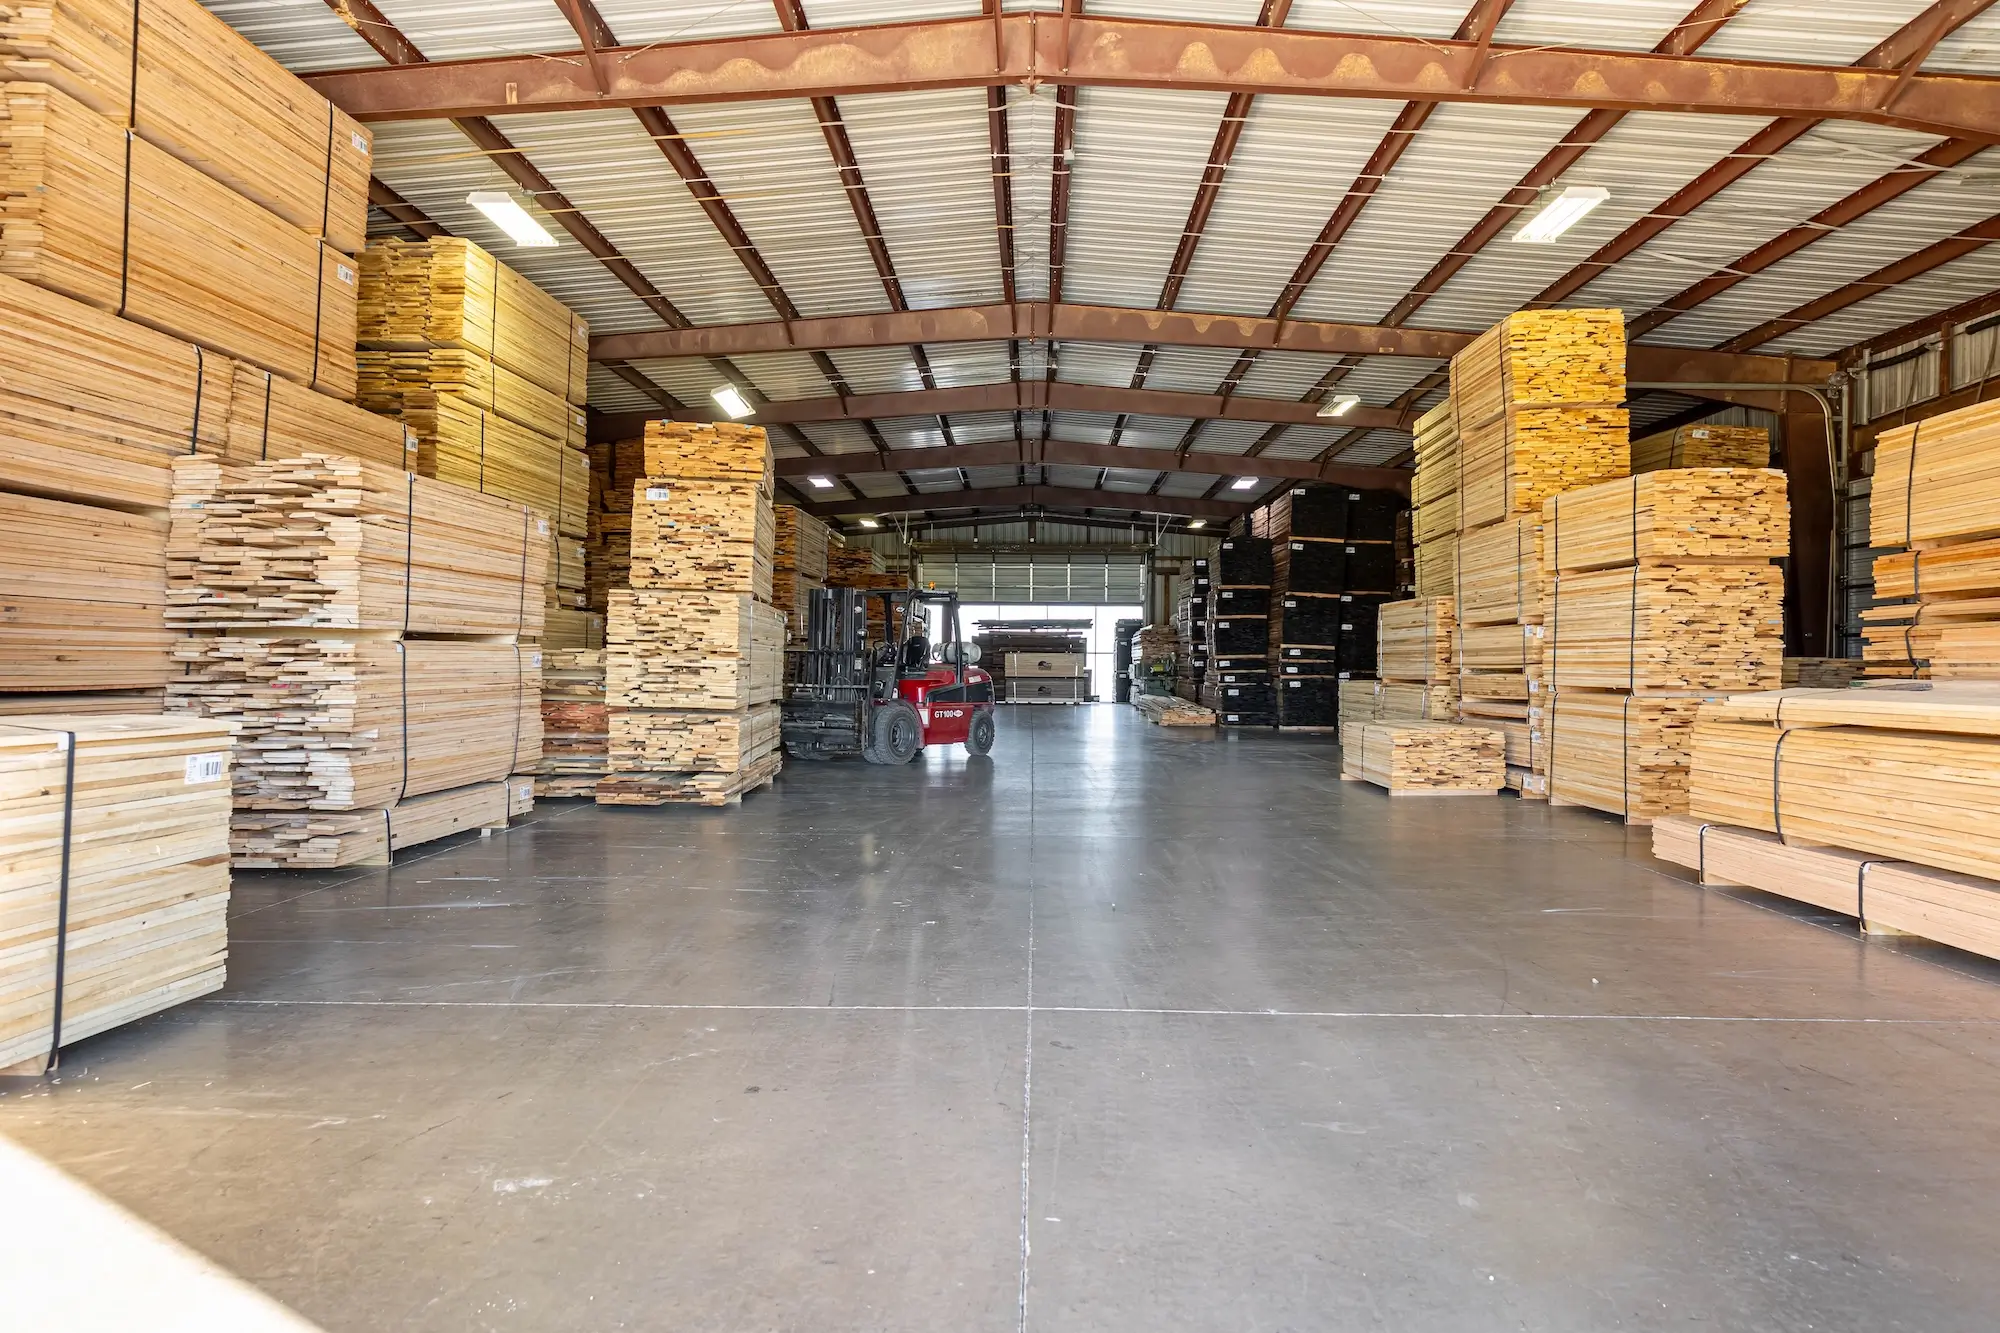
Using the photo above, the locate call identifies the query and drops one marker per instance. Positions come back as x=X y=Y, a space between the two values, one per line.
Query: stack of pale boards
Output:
x=1168 y=710
x=1881 y=803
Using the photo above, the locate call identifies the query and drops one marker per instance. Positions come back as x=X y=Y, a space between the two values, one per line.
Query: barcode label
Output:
x=1298 y=546
x=359 y=140
x=410 y=445
x=659 y=492
x=541 y=527
x=344 y=273
x=205 y=767
x=525 y=790
x=534 y=660
x=1295 y=683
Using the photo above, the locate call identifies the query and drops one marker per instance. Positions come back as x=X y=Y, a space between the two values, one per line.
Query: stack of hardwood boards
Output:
x=576 y=724
x=1190 y=624
x=1166 y=710
x=114 y=874
x=370 y=634
x=695 y=656
x=488 y=373
x=800 y=565
x=1033 y=661
x=1935 y=500
x=1876 y=801
x=1432 y=758
x=207 y=308
x=1236 y=682
x=1333 y=562
x=863 y=567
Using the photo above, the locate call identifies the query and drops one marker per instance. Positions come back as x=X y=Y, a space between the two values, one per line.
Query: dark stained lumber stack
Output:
x=1191 y=631
x=1660 y=593
x=1237 y=679
x=114 y=874
x=695 y=657
x=1333 y=563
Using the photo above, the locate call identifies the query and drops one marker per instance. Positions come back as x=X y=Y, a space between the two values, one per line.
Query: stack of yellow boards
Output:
x=144 y=802
x=1433 y=758
x=1413 y=645
x=695 y=660
x=367 y=633
x=1434 y=502
x=1703 y=445
x=1936 y=497
x=485 y=369
x=1661 y=592
x=1166 y=710
x=799 y=564
x=1876 y=802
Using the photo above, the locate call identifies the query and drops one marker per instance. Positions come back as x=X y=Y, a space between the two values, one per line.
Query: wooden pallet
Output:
x=189 y=84
x=713 y=789
x=276 y=840
x=1702 y=446
x=326 y=542
x=144 y=235
x=83 y=598
x=148 y=872
x=1686 y=516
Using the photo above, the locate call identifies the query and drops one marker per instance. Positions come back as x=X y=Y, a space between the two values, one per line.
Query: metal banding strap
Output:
x=265 y=449
x=66 y=742
x=326 y=193
x=521 y=593
x=1777 y=771
x=131 y=129
x=1861 y=891
x=200 y=381
x=1701 y=854
x=403 y=665
x=1625 y=756
x=520 y=701
x=409 y=545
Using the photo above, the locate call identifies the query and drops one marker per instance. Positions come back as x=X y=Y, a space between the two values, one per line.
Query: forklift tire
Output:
x=896 y=732
x=979 y=738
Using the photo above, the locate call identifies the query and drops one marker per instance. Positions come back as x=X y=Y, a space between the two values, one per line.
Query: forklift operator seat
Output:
x=916 y=653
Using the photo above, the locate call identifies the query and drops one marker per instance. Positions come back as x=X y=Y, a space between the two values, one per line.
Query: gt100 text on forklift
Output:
x=885 y=703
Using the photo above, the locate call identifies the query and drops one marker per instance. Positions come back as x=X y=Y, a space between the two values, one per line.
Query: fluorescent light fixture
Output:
x=506 y=213
x=870 y=523
x=1561 y=213
x=1339 y=405
x=823 y=483
x=1197 y=522
x=1242 y=483
x=731 y=400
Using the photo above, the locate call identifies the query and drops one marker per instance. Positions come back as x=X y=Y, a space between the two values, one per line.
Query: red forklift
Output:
x=887 y=702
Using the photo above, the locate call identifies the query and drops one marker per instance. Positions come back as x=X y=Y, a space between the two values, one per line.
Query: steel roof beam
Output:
x=402 y=210
x=1077 y=453
x=1053 y=497
x=1134 y=53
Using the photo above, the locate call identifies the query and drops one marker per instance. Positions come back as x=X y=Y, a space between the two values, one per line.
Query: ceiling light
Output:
x=1242 y=483
x=1339 y=405
x=823 y=483
x=731 y=400
x=506 y=213
x=1561 y=213
x=870 y=523
x=1197 y=522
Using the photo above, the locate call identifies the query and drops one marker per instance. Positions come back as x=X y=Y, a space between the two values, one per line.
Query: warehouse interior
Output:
x=999 y=664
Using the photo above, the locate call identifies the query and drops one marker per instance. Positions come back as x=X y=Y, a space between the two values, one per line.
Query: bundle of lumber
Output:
x=1165 y=710
x=117 y=223
x=1414 y=640
x=1820 y=673
x=448 y=292
x=1512 y=648
x=1887 y=897
x=693 y=650
x=713 y=789
x=563 y=628
x=1935 y=481
x=723 y=451
x=282 y=840
x=1536 y=401
x=1436 y=758
x=83 y=598
x=1308 y=700
x=1406 y=701
x=98 y=703
x=95 y=408
x=343 y=724
x=1437 y=566
x=847 y=566
x=1667 y=627
x=798 y=564
x=1702 y=446
x=692 y=741
x=1896 y=772
x=1500 y=573
x=1434 y=487
x=400 y=383
x=702 y=534
x=576 y=723
x=328 y=542
x=568 y=577
x=1520 y=724
x=114 y=874
x=1625 y=754
x=1359 y=704
x=186 y=82
x=1684 y=516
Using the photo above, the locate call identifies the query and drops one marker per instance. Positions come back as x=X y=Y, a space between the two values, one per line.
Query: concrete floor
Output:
x=1124 y=1029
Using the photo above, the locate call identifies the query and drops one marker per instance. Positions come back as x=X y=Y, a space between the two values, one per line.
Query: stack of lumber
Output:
x=799 y=564
x=485 y=369
x=847 y=566
x=1237 y=682
x=1500 y=640
x=1433 y=758
x=576 y=724
x=83 y=598
x=566 y=629
x=116 y=222
x=1359 y=704
x=1908 y=774
x=326 y=841
x=695 y=661
x=1167 y=711
x=1190 y=631
x=614 y=469
x=1415 y=646
x=1434 y=501
x=1661 y=592
x=1702 y=446
x=1886 y=897
x=1936 y=497
x=335 y=543
x=1333 y=562
x=1820 y=673
x=1536 y=399
x=129 y=815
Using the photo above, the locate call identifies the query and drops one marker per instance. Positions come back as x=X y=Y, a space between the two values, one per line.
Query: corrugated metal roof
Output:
x=1811 y=31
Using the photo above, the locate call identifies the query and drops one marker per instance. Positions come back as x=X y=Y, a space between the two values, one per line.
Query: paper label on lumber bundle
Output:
x=703 y=535
x=329 y=542
x=1687 y=515
x=722 y=451
x=148 y=875
x=201 y=87
x=146 y=236
x=343 y=724
x=1667 y=627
